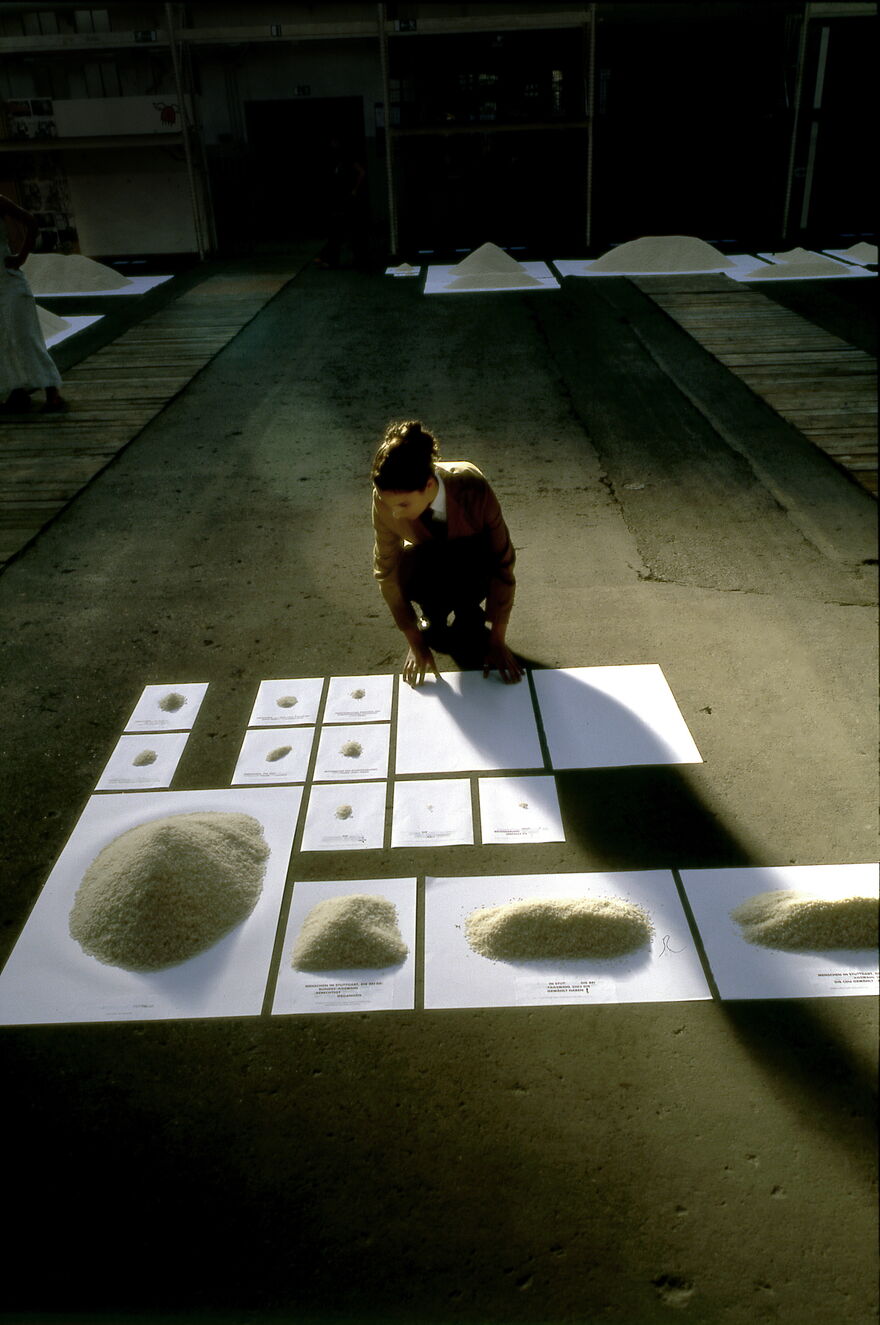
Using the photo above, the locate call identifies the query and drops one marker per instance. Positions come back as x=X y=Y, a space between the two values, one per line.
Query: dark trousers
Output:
x=447 y=575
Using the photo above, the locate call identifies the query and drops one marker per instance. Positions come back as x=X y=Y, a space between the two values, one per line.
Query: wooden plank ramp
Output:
x=46 y=459
x=817 y=382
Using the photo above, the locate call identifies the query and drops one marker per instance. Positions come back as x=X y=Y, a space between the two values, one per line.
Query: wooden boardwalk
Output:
x=45 y=460
x=820 y=384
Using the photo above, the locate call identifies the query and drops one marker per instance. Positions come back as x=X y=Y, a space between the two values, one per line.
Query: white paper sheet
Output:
x=359 y=699
x=136 y=285
x=432 y=812
x=524 y=809
x=440 y=276
x=790 y=271
x=49 y=978
x=345 y=818
x=291 y=703
x=744 y=970
x=348 y=990
x=170 y=708
x=845 y=255
x=462 y=722
x=611 y=717
x=458 y=977
x=585 y=267
x=261 y=760
x=131 y=766
x=74 y=325
x=353 y=753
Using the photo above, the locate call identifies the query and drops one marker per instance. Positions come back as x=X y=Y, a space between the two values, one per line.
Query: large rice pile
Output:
x=63 y=273
x=564 y=928
x=345 y=933
x=793 y=921
x=168 y=889
x=661 y=253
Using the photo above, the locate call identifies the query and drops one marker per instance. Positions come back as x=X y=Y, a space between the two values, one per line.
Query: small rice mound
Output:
x=488 y=258
x=350 y=932
x=561 y=928
x=791 y=921
x=166 y=890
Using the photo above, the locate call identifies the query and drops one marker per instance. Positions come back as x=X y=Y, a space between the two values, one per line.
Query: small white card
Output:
x=359 y=699
x=747 y=970
x=345 y=818
x=353 y=754
x=274 y=755
x=359 y=989
x=524 y=809
x=169 y=708
x=293 y=703
x=668 y=969
x=143 y=761
x=432 y=812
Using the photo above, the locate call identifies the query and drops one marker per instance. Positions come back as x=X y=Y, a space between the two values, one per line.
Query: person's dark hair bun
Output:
x=405 y=459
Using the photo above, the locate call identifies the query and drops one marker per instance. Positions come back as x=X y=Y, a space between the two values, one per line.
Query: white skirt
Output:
x=24 y=360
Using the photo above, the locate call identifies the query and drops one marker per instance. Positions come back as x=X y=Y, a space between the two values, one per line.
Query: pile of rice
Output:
x=349 y=932
x=793 y=921
x=564 y=928
x=166 y=890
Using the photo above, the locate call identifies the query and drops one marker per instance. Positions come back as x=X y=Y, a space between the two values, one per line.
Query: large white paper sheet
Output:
x=744 y=970
x=461 y=722
x=458 y=977
x=142 y=761
x=74 y=325
x=49 y=978
x=136 y=285
x=345 y=818
x=432 y=812
x=348 y=990
x=359 y=699
x=523 y=809
x=612 y=717
x=291 y=703
x=791 y=271
x=170 y=708
x=353 y=754
x=846 y=255
x=441 y=276
x=274 y=755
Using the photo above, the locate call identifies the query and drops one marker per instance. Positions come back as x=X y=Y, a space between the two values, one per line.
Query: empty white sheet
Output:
x=669 y=970
x=523 y=809
x=432 y=812
x=611 y=717
x=49 y=978
x=348 y=989
x=745 y=970
x=460 y=722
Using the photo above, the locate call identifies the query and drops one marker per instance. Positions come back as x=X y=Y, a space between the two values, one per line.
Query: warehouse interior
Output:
x=688 y=469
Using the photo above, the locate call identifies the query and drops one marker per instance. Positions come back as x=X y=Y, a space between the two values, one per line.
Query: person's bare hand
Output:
x=499 y=656
x=419 y=660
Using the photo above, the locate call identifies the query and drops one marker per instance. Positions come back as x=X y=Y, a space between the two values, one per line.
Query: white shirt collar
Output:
x=438 y=505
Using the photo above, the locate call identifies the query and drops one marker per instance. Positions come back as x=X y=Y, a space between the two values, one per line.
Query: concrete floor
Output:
x=560 y=1166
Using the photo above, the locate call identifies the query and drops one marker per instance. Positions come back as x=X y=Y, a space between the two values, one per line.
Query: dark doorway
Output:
x=287 y=162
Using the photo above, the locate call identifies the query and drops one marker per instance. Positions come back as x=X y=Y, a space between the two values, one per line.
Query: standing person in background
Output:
x=25 y=363
x=347 y=208
x=441 y=541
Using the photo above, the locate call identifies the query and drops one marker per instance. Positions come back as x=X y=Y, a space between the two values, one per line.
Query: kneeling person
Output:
x=441 y=542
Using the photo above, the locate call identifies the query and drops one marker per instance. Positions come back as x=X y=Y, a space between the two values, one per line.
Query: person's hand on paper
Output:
x=419 y=660
x=498 y=656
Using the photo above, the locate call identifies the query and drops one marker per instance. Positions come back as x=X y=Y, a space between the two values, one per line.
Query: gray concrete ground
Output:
x=627 y=1164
